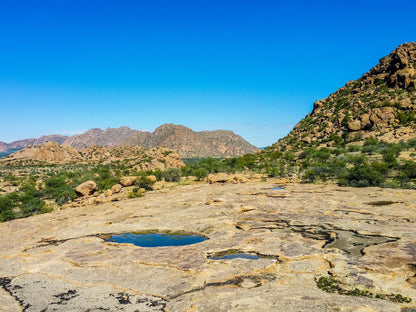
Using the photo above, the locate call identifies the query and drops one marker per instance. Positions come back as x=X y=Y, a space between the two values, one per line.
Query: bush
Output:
x=6 y=209
x=31 y=206
x=105 y=179
x=408 y=169
x=362 y=176
x=144 y=182
x=200 y=173
x=172 y=175
x=64 y=195
x=309 y=176
x=354 y=148
x=55 y=182
x=135 y=192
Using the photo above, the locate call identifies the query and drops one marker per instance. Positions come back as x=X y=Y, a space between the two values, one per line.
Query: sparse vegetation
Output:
x=332 y=285
x=38 y=183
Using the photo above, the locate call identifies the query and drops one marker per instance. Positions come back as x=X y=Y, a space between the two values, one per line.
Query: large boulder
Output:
x=86 y=188
x=152 y=178
x=218 y=178
x=128 y=181
x=116 y=188
x=354 y=125
x=226 y=178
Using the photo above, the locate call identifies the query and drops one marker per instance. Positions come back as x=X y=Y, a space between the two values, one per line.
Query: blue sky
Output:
x=253 y=67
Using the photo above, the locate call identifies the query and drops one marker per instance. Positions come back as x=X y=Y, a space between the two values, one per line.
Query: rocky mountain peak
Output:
x=398 y=69
x=381 y=104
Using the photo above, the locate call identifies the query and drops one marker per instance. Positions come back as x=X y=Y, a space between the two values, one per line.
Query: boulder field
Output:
x=363 y=241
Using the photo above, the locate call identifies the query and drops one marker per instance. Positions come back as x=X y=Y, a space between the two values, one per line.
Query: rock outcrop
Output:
x=226 y=178
x=381 y=104
x=138 y=157
x=50 y=152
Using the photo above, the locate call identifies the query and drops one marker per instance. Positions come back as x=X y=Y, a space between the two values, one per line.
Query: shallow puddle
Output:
x=237 y=256
x=155 y=239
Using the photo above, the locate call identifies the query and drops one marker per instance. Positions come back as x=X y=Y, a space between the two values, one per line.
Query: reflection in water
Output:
x=156 y=239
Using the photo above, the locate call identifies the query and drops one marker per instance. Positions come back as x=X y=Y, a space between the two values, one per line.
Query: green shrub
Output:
x=362 y=176
x=31 y=206
x=145 y=182
x=55 y=182
x=200 y=173
x=158 y=174
x=135 y=192
x=406 y=117
x=172 y=175
x=408 y=169
x=309 y=176
x=354 y=148
x=64 y=195
x=6 y=209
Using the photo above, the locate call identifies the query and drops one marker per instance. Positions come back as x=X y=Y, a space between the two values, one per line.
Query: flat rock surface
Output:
x=365 y=238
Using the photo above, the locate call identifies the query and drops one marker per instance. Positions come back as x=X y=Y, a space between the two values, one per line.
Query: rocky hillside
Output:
x=138 y=157
x=4 y=147
x=189 y=143
x=50 y=152
x=381 y=104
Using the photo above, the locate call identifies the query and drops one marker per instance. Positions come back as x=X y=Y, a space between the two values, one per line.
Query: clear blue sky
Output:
x=253 y=67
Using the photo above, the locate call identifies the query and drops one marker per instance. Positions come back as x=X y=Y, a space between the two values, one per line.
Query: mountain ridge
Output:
x=185 y=141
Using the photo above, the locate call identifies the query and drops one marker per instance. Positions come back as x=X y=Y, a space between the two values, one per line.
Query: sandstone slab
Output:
x=60 y=262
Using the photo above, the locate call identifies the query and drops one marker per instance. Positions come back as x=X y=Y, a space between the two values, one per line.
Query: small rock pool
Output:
x=155 y=239
x=237 y=256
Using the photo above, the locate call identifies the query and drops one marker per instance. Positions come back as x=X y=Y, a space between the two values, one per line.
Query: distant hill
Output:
x=186 y=142
x=381 y=104
x=109 y=137
x=9 y=148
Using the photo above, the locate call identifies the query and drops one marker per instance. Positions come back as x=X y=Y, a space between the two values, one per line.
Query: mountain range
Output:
x=183 y=140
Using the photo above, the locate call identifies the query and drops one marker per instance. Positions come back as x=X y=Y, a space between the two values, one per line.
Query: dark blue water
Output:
x=276 y=188
x=237 y=255
x=156 y=239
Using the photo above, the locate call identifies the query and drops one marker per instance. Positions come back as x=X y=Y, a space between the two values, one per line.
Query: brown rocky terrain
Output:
x=189 y=143
x=381 y=104
x=50 y=152
x=137 y=157
x=360 y=241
